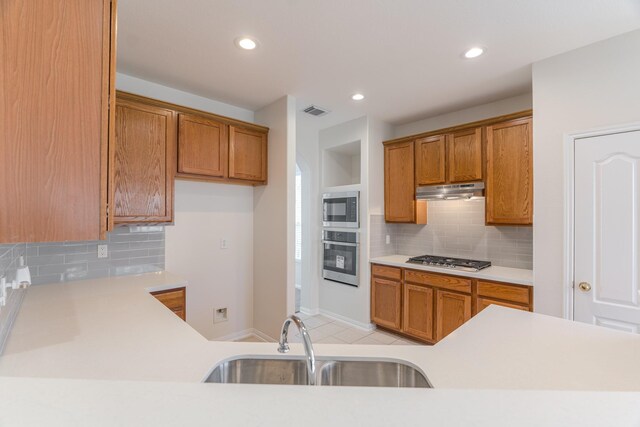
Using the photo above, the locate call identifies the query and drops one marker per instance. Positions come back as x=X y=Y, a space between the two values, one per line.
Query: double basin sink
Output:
x=329 y=372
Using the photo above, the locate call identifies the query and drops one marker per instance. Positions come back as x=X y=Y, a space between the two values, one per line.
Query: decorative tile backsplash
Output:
x=130 y=251
x=455 y=228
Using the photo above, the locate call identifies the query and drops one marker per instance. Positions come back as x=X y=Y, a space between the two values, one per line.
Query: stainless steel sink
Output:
x=371 y=373
x=329 y=372
x=260 y=371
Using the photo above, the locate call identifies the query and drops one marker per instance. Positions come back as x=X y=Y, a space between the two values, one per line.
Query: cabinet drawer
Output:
x=174 y=300
x=514 y=293
x=486 y=302
x=438 y=280
x=393 y=273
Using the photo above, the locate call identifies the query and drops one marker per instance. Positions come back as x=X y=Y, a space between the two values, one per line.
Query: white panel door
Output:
x=607 y=233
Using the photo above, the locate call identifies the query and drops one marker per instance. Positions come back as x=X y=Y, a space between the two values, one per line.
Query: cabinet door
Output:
x=430 y=160
x=509 y=189
x=247 y=154
x=56 y=82
x=175 y=300
x=143 y=167
x=418 y=312
x=386 y=300
x=465 y=155
x=486 y=302
x=452 y=310
x=399 y=184
x=202 y=146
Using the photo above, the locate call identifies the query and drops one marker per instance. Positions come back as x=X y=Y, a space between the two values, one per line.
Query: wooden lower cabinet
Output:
x=175 y=300
x=486 y=302
x=386 y=302
x=428 y=306
x=418 y=312
x=452 y=310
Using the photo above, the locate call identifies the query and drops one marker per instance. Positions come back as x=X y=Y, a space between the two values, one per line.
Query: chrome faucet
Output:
x=306 y=340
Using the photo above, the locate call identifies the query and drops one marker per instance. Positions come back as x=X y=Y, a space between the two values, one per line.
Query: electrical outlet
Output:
x=224 y=244
x=102 y=251
x=220 y=315
x=387 y=240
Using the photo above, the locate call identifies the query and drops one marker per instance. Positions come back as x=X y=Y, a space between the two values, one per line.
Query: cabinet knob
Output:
x=584 y=286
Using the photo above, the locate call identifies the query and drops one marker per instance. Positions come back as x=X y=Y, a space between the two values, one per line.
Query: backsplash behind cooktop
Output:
x=455 y=228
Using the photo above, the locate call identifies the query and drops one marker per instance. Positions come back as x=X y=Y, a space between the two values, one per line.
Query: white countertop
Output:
x=112 y=329
x=65 y=403
x=499 y=274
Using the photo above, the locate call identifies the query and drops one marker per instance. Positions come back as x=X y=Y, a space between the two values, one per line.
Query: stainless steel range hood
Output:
x=450 y=191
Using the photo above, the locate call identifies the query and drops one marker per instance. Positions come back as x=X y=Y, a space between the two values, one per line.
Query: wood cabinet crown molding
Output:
x=462 y=127
x=192 y=111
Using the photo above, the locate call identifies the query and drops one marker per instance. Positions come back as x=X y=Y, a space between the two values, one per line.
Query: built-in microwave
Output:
x=341 y=209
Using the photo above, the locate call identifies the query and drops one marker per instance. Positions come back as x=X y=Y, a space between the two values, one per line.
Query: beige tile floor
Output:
x=325 y=330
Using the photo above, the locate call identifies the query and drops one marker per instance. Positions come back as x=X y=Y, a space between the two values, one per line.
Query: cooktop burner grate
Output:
x=449 y=262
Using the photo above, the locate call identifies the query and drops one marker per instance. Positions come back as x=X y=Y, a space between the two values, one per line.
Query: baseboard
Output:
x=263 y=336
x=244 y=334
x=236 y=335
x=309 y=311
x=348 y=321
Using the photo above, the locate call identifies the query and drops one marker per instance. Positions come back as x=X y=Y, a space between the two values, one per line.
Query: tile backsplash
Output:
x=455 y=228
x=130 y=250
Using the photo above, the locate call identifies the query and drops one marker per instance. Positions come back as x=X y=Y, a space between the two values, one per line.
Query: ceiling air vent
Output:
x=314 y=110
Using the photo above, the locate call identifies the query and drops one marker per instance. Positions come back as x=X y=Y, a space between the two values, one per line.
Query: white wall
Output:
x=379 y=132
x=205 y=213
x=168 y=94
x=480 y=112
x=274 y=222
x=590 y=87
x=337 y=299
x=308 y=159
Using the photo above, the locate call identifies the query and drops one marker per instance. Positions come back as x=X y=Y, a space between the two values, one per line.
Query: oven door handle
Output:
x=339 y=243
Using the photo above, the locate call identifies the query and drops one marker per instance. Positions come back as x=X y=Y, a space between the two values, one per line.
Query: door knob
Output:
x=584 y=287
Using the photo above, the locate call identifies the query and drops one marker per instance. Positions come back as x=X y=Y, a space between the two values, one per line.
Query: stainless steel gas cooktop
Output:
x=448 y=262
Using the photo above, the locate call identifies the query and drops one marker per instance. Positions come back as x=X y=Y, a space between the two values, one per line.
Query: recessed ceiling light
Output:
x=246 y=43
x=474 y=52
x=357 y=97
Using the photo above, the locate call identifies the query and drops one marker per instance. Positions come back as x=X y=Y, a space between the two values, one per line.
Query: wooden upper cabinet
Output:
x=465 y=155
x=386 y=302
x=430 y=160
x=202 y=146
x=399 y=185
x=143 y=165
x=509 y=192
x=247 y=154
x=452 y=310
x=56 y=82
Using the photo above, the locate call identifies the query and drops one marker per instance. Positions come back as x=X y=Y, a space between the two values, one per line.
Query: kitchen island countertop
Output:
x=67 y=336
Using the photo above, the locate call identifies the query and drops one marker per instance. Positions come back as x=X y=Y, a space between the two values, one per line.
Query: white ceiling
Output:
x=404 y=55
